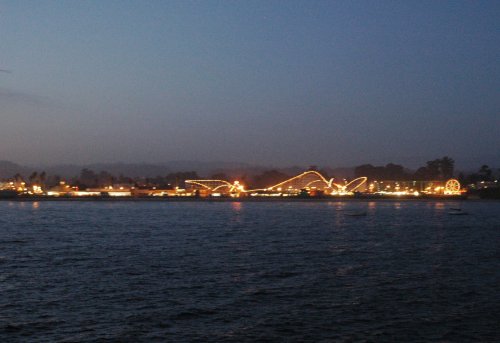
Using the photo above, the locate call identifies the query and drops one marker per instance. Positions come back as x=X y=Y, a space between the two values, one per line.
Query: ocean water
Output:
x=249 y=271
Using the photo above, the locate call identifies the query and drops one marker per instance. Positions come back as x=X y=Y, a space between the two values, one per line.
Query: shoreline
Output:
x=242 y=199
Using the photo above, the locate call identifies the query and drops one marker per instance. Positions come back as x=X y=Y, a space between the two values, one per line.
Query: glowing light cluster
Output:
x=215 y=186
x=452 y=187
x=310 y=181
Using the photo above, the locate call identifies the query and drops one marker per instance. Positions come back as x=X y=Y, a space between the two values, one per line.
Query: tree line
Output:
x=439 y=169
x=436 y=170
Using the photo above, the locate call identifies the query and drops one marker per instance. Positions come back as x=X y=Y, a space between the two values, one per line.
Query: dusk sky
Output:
x=280 y=83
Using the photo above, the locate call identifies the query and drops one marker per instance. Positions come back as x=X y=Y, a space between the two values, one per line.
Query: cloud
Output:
x=17 y=97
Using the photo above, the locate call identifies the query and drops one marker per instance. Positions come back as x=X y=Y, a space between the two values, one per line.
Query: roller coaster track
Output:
x=307 y=180
x=212 y=185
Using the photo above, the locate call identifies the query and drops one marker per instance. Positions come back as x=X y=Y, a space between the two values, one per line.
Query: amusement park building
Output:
x=313 y=183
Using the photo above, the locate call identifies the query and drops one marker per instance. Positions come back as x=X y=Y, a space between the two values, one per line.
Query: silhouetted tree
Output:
x=325 y=174
x=105 y=179
x=268 y=178
x=422 y=173
x=220 y=176
x=87 y=179
x=485 y=173
x=364 y=170
x=122 y=179
x=433 y=169
x=177 y=179
x=18 y=178
x=390 y=172
x=447 y=166
x=438 y=169
x=395 y=172
x=33 y=177
x=42 y=177
x=53 y=180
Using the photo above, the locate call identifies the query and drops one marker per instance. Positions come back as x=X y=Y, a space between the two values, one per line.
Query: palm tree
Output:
x=447 y=167
x=485 y=173
x=33 y=177
x=43 y=176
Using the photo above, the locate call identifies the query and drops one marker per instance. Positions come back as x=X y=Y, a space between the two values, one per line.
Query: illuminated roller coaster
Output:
x=309 y=180
x=220 y=186
x=312 y=180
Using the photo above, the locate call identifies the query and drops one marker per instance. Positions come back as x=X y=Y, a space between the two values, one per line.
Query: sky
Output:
x=329 y=83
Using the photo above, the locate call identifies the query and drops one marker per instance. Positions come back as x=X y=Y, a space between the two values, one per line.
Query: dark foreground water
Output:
x=280 y=271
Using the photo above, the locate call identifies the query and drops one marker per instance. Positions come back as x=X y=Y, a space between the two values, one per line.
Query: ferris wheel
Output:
x=452 y=186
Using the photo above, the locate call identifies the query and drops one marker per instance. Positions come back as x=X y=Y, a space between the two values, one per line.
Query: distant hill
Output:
x=204 y=169
x=340 y=173
x=9 y=169
x=126 y=169
x=147 y=170
x=233 y=170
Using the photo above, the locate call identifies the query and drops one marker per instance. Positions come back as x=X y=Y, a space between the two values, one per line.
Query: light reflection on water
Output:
x=439 y=205
x=236 y=205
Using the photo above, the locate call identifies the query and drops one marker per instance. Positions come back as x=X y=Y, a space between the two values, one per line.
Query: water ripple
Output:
x=152 y=271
